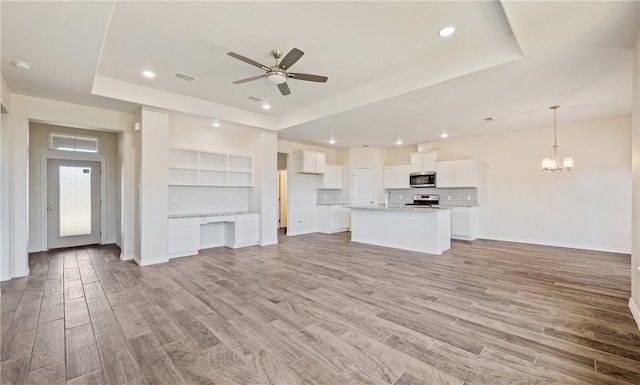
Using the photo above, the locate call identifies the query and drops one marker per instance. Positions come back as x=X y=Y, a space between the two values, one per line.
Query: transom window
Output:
x=76 y=143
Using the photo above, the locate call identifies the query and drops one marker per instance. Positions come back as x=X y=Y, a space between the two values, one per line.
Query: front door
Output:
x=362 y=187
x=73 y=203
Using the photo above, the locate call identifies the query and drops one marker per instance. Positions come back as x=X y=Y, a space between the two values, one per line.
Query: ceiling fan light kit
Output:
x=276 y=77
x=277 y=74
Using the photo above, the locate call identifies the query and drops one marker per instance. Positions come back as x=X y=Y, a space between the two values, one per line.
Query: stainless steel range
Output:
x=425 y=200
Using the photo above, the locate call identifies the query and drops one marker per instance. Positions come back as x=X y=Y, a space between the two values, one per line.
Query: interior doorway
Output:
x=282 y=199
x=73 y=202
x=282 y=191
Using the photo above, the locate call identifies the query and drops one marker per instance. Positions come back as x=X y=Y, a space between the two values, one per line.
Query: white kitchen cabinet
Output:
x=396 y=177
x=333 y=219
x=332 y=177
x=464 y=223
x=183 y=236
x=423 y=161
x=457 y=173
x=244 y=231
x=312 y=162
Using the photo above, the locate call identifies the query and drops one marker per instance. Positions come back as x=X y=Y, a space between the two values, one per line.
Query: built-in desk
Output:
x=189 y=233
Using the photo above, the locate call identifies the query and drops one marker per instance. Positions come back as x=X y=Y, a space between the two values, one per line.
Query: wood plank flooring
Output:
x=318 y=309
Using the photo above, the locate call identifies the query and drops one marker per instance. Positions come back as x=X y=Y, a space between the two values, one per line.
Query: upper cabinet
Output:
x=311 y=162
x=202 y=168
x=457 y=173
x=423 y=161
x=396 y=177
x=332 y=178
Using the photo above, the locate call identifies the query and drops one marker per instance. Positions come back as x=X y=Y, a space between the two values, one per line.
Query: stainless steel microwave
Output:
x=422 y=179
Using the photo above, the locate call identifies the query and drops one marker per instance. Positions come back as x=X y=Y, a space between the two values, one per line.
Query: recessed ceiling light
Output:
x=446 y=31
x=399 y=142
x=266 y=105
x=216 y=123
x=22 y=65
x=148 y=74
x=444 y=135
x=332 y=141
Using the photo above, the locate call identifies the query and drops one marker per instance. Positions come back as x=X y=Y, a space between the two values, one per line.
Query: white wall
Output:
x=301 y=197
x=5 y=260
x=286 y=147
x=38 y=146
x=399 y=155
x=586 y=208
x=634 y=302
x=301 y=188
x=264 y=195
x=153 y=187
x=26 y=109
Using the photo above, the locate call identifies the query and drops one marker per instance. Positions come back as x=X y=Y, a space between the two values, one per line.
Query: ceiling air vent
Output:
x=255 y=98
x=184 y=76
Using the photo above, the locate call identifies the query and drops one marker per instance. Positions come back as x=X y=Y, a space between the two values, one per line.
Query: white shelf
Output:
x=202 y=168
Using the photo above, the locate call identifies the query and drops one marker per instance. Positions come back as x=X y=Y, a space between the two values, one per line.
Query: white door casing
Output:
x=61 y=228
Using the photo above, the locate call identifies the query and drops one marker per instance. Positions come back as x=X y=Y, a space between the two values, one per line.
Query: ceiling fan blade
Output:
x=248 y=61
x=284 y=89
x=308 y=77
x=249 y=79
x=291 y=58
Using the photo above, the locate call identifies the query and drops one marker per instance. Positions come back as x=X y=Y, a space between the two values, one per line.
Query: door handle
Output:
x=49 y=208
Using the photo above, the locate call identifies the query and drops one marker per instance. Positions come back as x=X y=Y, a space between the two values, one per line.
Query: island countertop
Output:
x=401 y=208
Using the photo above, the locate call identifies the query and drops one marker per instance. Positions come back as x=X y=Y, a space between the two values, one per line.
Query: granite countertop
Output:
x=400 y=208
x=218 y=214
x=333 y=204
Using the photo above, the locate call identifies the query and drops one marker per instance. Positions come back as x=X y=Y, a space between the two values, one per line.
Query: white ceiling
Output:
x=390 y=75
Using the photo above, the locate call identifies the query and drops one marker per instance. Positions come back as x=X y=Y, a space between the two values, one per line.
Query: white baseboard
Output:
x=20 y=273
x=635 y=312
x=148 y=262
x=125 y=257
x=568 y=245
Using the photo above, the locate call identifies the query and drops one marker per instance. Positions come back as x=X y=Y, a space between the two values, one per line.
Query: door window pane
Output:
x=75 y=201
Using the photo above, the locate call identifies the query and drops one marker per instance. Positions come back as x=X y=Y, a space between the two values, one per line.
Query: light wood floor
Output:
x=318 y=309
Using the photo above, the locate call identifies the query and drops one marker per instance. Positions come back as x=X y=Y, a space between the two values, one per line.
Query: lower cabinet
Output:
x=464 y=223
x=333 y=219
x=235 y=230
x=244 y=231
x=184 y=236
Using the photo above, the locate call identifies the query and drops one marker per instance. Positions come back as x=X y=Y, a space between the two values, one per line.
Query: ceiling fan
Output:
x=278 y=72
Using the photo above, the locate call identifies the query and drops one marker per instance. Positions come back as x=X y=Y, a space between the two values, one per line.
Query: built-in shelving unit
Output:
x=202 y=168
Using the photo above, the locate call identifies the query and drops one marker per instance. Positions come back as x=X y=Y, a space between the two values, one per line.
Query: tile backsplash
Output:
x=448 y=196
x=328 y=196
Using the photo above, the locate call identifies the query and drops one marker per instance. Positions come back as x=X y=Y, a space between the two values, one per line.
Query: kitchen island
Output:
x=422 y=229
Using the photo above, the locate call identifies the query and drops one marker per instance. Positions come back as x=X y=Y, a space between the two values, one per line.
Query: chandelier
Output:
x=552 y=164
